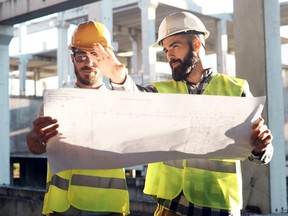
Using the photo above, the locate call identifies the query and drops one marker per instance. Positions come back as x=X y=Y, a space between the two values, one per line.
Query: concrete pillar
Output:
x=258 y=59
x=23 y=60
x=63 y=57
x=136 y=58
x=6 y=34
x=102 y=11
x=22 y=31
x=222 y=46
x=134 y=62
x=275 y=107
x=148 y=16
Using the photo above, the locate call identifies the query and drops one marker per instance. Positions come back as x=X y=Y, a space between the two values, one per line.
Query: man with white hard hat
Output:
x=199 y=186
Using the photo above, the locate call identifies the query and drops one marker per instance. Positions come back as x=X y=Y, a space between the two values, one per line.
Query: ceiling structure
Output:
x=126 y=20
x=16 y=11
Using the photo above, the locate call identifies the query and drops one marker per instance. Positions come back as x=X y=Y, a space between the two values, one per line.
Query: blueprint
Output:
x=114 y=129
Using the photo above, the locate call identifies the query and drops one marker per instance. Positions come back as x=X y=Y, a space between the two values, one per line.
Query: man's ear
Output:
x=72 y=58
x=196 y=44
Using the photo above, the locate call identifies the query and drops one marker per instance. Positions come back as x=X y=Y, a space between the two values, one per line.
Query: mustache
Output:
x=87 y=68
x=174 y=61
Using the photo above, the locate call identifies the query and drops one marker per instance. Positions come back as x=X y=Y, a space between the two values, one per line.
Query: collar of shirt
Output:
x=198 y=88
x=102 y=87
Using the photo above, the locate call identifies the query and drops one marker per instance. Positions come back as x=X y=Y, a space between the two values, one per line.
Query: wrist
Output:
x=120 y=76
x=257 y=153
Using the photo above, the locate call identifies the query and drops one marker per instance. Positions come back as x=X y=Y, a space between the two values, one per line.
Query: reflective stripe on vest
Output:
x=100 y=182
x=208 y=183
x=226 y=166
x=87 y=190
x=58 y=182
x=88 y=181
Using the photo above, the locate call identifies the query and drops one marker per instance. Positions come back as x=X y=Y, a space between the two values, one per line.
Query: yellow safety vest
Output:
x=209 y=183
x=87 y=190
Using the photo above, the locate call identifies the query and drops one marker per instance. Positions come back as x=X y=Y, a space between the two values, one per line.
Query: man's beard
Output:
x=185 y=67
x=87 y=79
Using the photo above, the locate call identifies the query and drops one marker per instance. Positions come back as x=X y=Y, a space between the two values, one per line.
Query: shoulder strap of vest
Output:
x=171 y=86
x=222 y=84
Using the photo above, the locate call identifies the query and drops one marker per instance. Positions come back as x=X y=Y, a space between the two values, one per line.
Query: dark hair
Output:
x=200 y=36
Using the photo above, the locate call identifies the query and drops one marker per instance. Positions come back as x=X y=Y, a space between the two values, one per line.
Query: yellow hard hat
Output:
x=88 y=33
x=180 y=22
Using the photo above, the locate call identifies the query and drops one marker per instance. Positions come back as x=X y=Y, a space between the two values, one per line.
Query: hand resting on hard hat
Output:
x=108 y=63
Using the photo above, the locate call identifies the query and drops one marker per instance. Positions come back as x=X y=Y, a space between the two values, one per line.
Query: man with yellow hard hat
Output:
x=85 y=192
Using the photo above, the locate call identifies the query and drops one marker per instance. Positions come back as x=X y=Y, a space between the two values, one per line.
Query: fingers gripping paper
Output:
x=112 y=129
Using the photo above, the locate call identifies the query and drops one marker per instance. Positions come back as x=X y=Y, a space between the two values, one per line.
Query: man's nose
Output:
x=89 y=61
x=169 y=55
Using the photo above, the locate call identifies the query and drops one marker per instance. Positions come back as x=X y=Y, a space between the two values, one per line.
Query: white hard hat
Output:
x=180 y=22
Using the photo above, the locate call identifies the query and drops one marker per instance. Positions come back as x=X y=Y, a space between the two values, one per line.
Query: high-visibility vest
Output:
x=209 y=183
x=87 y=190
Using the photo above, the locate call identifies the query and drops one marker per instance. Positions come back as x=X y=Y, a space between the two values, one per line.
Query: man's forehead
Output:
x=173 y=38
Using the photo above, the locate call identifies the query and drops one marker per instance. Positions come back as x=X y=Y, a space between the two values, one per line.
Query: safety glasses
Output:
x=82 y=56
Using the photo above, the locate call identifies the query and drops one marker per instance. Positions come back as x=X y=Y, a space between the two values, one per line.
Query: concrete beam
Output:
x=18 y=11
x=182 y=4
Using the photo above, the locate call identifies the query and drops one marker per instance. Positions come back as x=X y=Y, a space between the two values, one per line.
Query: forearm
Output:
x=128 y=85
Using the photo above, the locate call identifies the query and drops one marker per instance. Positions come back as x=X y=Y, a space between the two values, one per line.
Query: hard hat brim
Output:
x=86 y=49
x=157 y=43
